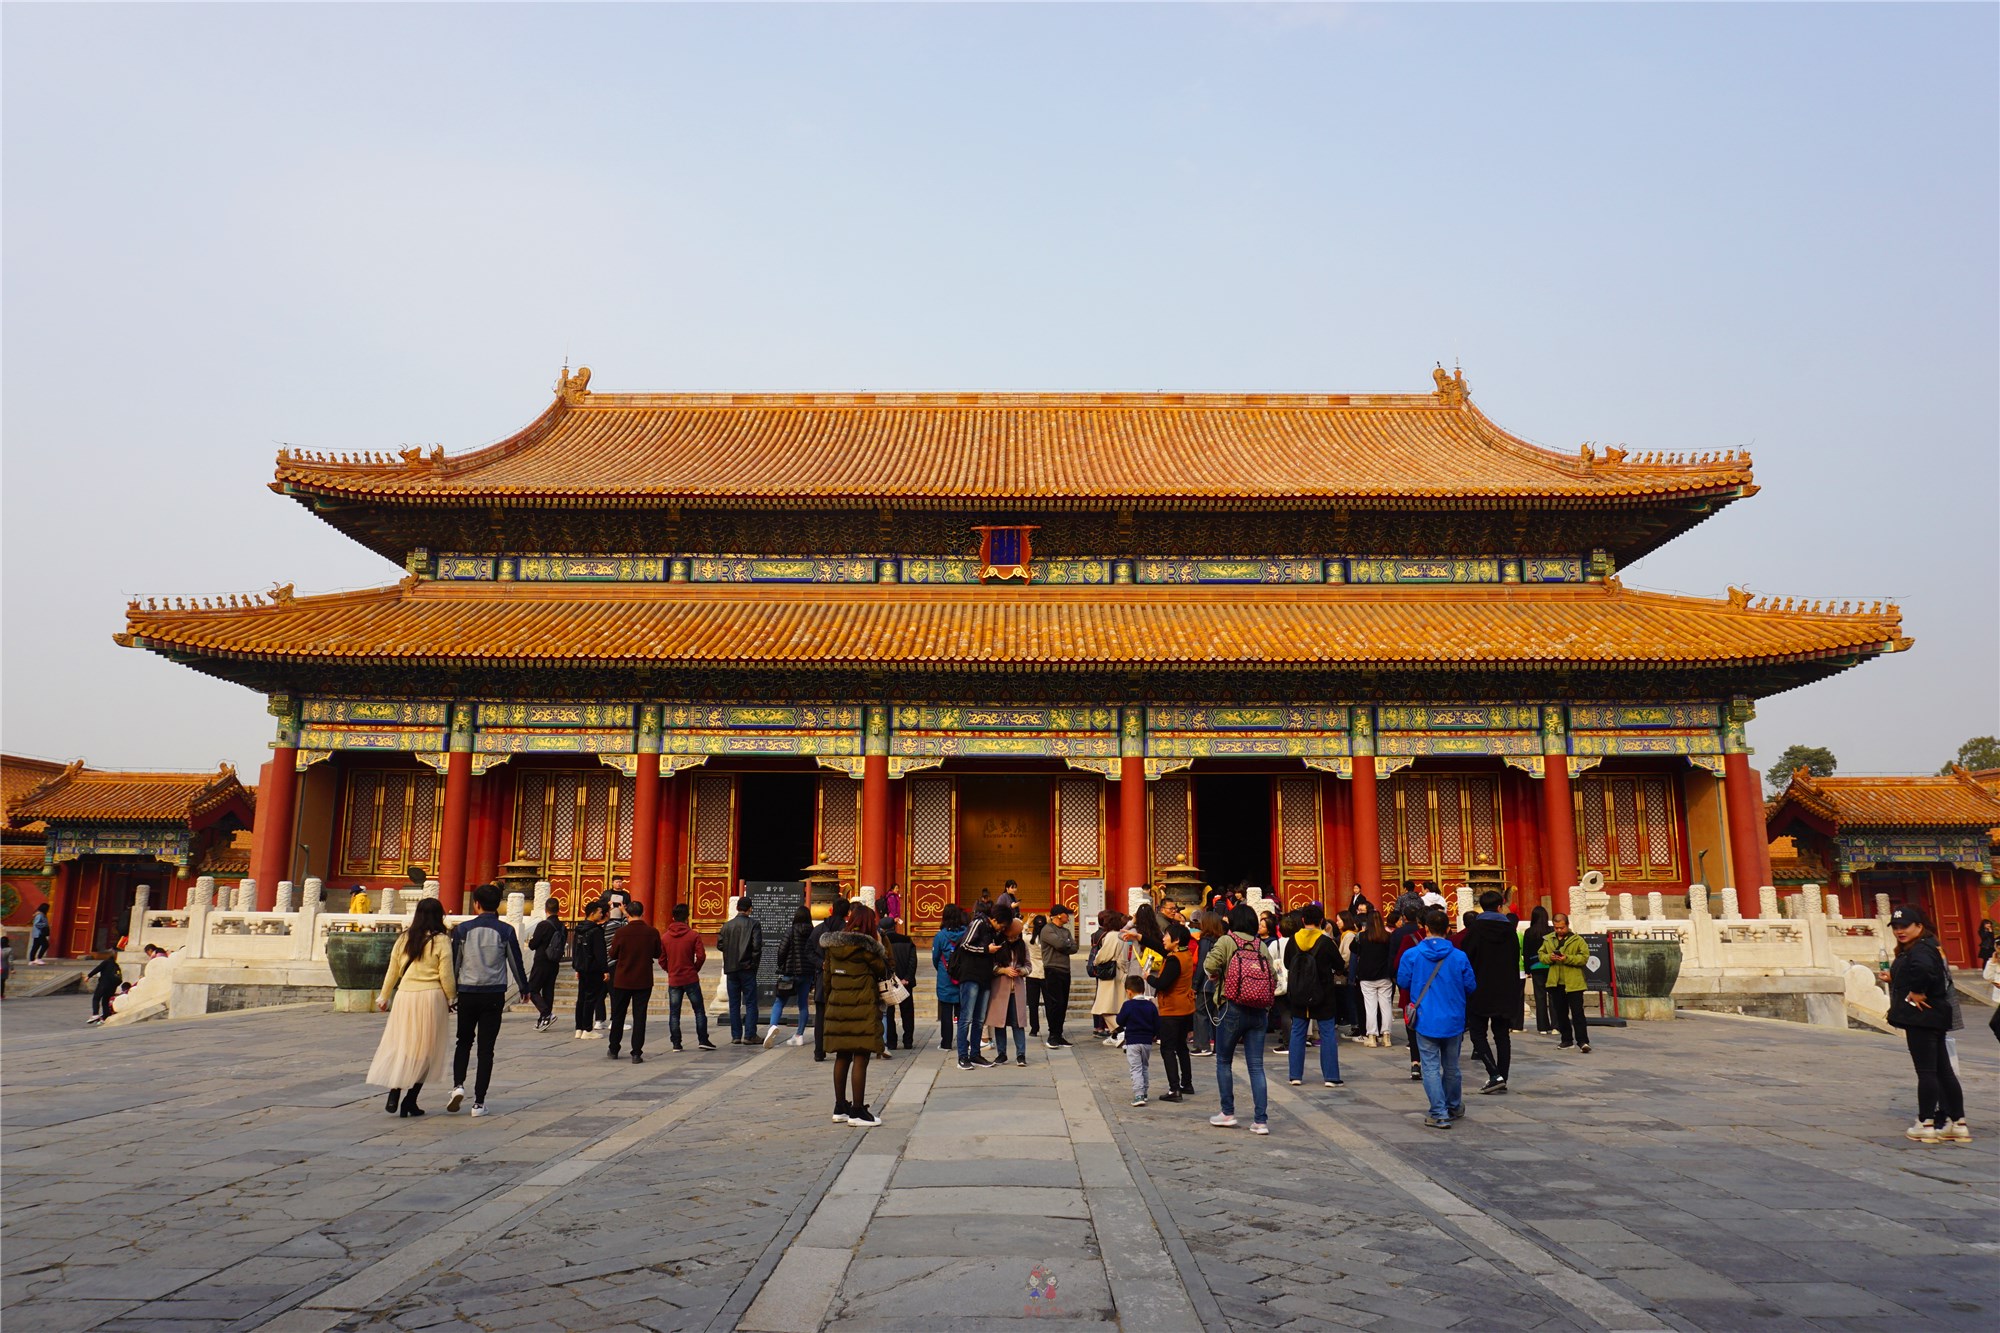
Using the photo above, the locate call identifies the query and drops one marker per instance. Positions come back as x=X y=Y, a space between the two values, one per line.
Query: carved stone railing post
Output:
x=1833 y=907
x=135 y=931
x=1731 y=910
x=1881 y=907
x=284 y=899
x=201 y=899
x=1767 y=902
x=1656 y=906
x=307 y=926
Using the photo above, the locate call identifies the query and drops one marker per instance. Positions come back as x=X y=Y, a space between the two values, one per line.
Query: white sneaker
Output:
x=1259 y=1127
x=795 y=1041
x=839 y=1117
x=771 y=1038
x=1222 y=1121
x=457 y=1099
x=1956 y=1132
x=479 y=1108
x=604 y=1026
x=1922 y=1132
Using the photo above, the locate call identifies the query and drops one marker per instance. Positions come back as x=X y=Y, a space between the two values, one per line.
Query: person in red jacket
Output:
x=630 y=955
x=681 y=955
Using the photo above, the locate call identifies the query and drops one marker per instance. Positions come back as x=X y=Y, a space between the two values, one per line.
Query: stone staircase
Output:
x=51 y=978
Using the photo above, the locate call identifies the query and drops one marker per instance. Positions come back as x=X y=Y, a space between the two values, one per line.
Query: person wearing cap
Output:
x=1920 y=1004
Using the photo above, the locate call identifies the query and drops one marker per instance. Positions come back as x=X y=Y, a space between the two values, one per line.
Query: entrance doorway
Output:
x=774 y=824
x=1232 y=830
x=1003 y=834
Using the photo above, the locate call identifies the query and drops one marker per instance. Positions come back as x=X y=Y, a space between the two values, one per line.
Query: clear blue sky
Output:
x=356 y=227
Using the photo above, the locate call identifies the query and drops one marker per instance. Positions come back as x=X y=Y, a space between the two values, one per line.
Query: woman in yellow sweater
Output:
x=423 y=986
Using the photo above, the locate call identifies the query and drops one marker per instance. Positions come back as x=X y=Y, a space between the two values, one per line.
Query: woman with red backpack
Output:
x=1243 y=975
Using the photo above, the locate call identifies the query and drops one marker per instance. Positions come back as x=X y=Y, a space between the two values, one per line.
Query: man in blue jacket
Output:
x=1440 y=982
x=486 y=950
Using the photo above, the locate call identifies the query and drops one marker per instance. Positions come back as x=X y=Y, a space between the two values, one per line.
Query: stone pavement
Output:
x=233 y=1173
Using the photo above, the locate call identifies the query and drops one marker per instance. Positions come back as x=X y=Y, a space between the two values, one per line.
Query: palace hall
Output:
x=936 y=641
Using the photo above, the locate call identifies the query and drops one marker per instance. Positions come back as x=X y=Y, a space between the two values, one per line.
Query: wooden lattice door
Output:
x=930 y=881
x=1079 y=835
x=711 y=849
x=577 y=822
x=1298 y=833
x=837 y=831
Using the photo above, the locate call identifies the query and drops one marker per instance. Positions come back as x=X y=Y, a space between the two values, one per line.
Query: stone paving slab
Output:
x=231 y=1173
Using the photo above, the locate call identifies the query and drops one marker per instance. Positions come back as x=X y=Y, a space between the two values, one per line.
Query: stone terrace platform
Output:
x=233 y=1173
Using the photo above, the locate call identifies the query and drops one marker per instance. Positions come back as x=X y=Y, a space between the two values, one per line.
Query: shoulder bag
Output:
x=1410 y=1009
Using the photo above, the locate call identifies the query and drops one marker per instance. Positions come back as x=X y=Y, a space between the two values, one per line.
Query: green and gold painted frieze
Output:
x=162 y=843
x=1860 y=851
x=1061 y=571
x=374 y=725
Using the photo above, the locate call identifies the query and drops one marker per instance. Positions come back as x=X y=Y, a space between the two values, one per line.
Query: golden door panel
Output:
x=1629 y=827
x=577 y=822
x=1442 y=827
x=390 y=821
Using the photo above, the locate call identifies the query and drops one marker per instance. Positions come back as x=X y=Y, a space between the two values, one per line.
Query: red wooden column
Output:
x=1135 y=868
x=1364 y=814
x=1743 y=803
x=277 y=796
x=457 y=810
x=1364 y=828
x=1746 y=827
x=1558 y=831
x=872 y=869
x=669 y=858
x=643 y=877
x=1559 y=866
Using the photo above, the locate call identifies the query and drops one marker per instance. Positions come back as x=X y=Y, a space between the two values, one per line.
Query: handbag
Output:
x=1410 y=1009
x=787 y=987
x=892 y=991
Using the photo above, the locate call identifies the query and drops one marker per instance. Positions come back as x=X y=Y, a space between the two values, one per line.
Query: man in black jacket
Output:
x=903 y=961
x=545 y=946
x=742 y=943
x=1493 y=946
x=586 y=958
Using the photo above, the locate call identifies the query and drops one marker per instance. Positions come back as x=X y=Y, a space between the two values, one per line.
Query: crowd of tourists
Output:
x=1235 y=975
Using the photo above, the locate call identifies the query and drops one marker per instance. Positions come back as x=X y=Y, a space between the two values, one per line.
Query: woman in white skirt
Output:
x=423 y=985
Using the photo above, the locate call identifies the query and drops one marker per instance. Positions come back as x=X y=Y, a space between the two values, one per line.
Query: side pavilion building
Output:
x=1311 y=642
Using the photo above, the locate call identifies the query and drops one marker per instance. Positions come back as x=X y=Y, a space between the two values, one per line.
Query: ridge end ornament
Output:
x=1452 y=389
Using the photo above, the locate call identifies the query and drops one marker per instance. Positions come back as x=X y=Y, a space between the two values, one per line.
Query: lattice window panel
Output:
x=1625 y=821
x=627 y=790
x=1385 y=822
x=1661 y=845
x=423 y=811
x=1298 y=821
x=1596 y=836
x=1416 y=823
x=562 y=818
x=1170 y=821
x=389 y=830
x=529 y=826
x=361 y=788
x=1078 y=837
x=596 y=816
x=1484 y=817
x=712 y=818
x=1450 y=821
x=930 y=823
x=839 y=820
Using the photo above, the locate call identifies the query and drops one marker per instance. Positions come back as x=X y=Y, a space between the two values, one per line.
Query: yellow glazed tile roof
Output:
x=1953 y=800
x=1009 y=627
x=85 y=795
x=944 y=449
x=20 y=775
